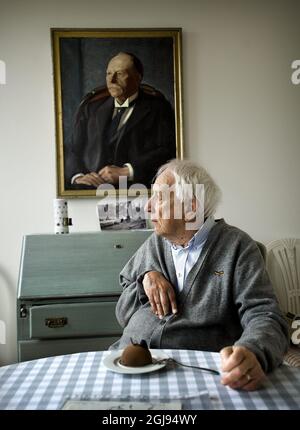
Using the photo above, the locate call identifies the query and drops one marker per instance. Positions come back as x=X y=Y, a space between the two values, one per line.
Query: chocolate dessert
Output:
x=136 y=355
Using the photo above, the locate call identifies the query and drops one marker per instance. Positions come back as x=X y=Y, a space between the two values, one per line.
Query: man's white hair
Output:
x=187 y=173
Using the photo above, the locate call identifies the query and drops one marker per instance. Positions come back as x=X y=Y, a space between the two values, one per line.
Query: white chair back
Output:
x=283 y=265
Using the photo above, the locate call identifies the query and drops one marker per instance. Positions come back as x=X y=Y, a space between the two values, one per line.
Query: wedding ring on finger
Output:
x=248 y=377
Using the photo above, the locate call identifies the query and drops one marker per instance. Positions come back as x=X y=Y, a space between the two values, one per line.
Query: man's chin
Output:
x=115 y=93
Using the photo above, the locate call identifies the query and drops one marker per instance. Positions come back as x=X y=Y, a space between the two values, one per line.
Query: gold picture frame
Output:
x=80 y=58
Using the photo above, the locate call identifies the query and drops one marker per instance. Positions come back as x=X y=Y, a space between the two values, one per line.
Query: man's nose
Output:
x=113 y=77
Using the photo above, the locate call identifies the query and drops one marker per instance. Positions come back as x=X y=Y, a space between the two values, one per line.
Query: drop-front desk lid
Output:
x=78 y=264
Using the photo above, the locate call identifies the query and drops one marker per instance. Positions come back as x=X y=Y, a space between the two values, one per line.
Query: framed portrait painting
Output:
x=118 y=107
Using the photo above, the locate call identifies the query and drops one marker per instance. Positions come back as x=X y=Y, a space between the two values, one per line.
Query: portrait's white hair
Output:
x=188 y=173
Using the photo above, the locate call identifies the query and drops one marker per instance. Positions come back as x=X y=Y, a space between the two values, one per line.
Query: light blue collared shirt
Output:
x=184 y=258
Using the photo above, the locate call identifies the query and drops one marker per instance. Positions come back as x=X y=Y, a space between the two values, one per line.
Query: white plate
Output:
x=112 y=362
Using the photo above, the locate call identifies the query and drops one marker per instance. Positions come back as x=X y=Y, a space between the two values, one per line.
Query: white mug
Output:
x=61 y=219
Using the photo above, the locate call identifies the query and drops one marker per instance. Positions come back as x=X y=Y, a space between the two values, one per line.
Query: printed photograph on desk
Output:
x=122 y=214
x=118 y=106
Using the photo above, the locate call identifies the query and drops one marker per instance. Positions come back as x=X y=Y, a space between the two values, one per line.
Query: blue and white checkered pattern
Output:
x=47 y=383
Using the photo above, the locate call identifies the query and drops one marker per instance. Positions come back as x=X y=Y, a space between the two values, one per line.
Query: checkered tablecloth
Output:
x=49 y=382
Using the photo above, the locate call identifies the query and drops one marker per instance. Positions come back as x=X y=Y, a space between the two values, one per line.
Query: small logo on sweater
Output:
x=219 y=273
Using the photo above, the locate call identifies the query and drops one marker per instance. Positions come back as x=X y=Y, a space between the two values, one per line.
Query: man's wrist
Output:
x=78 y=175
x=141 y=277
x=130 y=171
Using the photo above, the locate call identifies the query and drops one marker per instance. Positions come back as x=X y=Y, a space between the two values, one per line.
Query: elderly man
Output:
x=126 y=130
x=203 y=288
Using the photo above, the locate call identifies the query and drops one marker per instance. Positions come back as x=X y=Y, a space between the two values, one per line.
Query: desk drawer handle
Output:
x=56 y=322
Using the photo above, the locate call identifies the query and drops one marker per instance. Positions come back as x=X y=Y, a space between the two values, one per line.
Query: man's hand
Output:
x=241 y=368
x=90 y=179
x=111 y=174
x=160 y=293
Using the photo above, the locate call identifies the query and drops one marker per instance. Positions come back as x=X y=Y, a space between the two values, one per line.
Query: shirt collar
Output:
x=127 y=101
x=200 y=236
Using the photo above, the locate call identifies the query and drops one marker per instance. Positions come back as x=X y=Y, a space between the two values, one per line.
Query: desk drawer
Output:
x=33 y=349
x=73 y=320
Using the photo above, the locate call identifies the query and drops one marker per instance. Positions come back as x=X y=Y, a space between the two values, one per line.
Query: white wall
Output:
x=241 y=114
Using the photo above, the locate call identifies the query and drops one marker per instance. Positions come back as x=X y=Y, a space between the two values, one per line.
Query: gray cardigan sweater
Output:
x=227 y=299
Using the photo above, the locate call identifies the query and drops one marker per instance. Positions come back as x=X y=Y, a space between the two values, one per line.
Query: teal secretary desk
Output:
x=68 y=289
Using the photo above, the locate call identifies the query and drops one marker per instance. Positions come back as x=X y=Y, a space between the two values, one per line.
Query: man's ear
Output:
x=190 y=215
